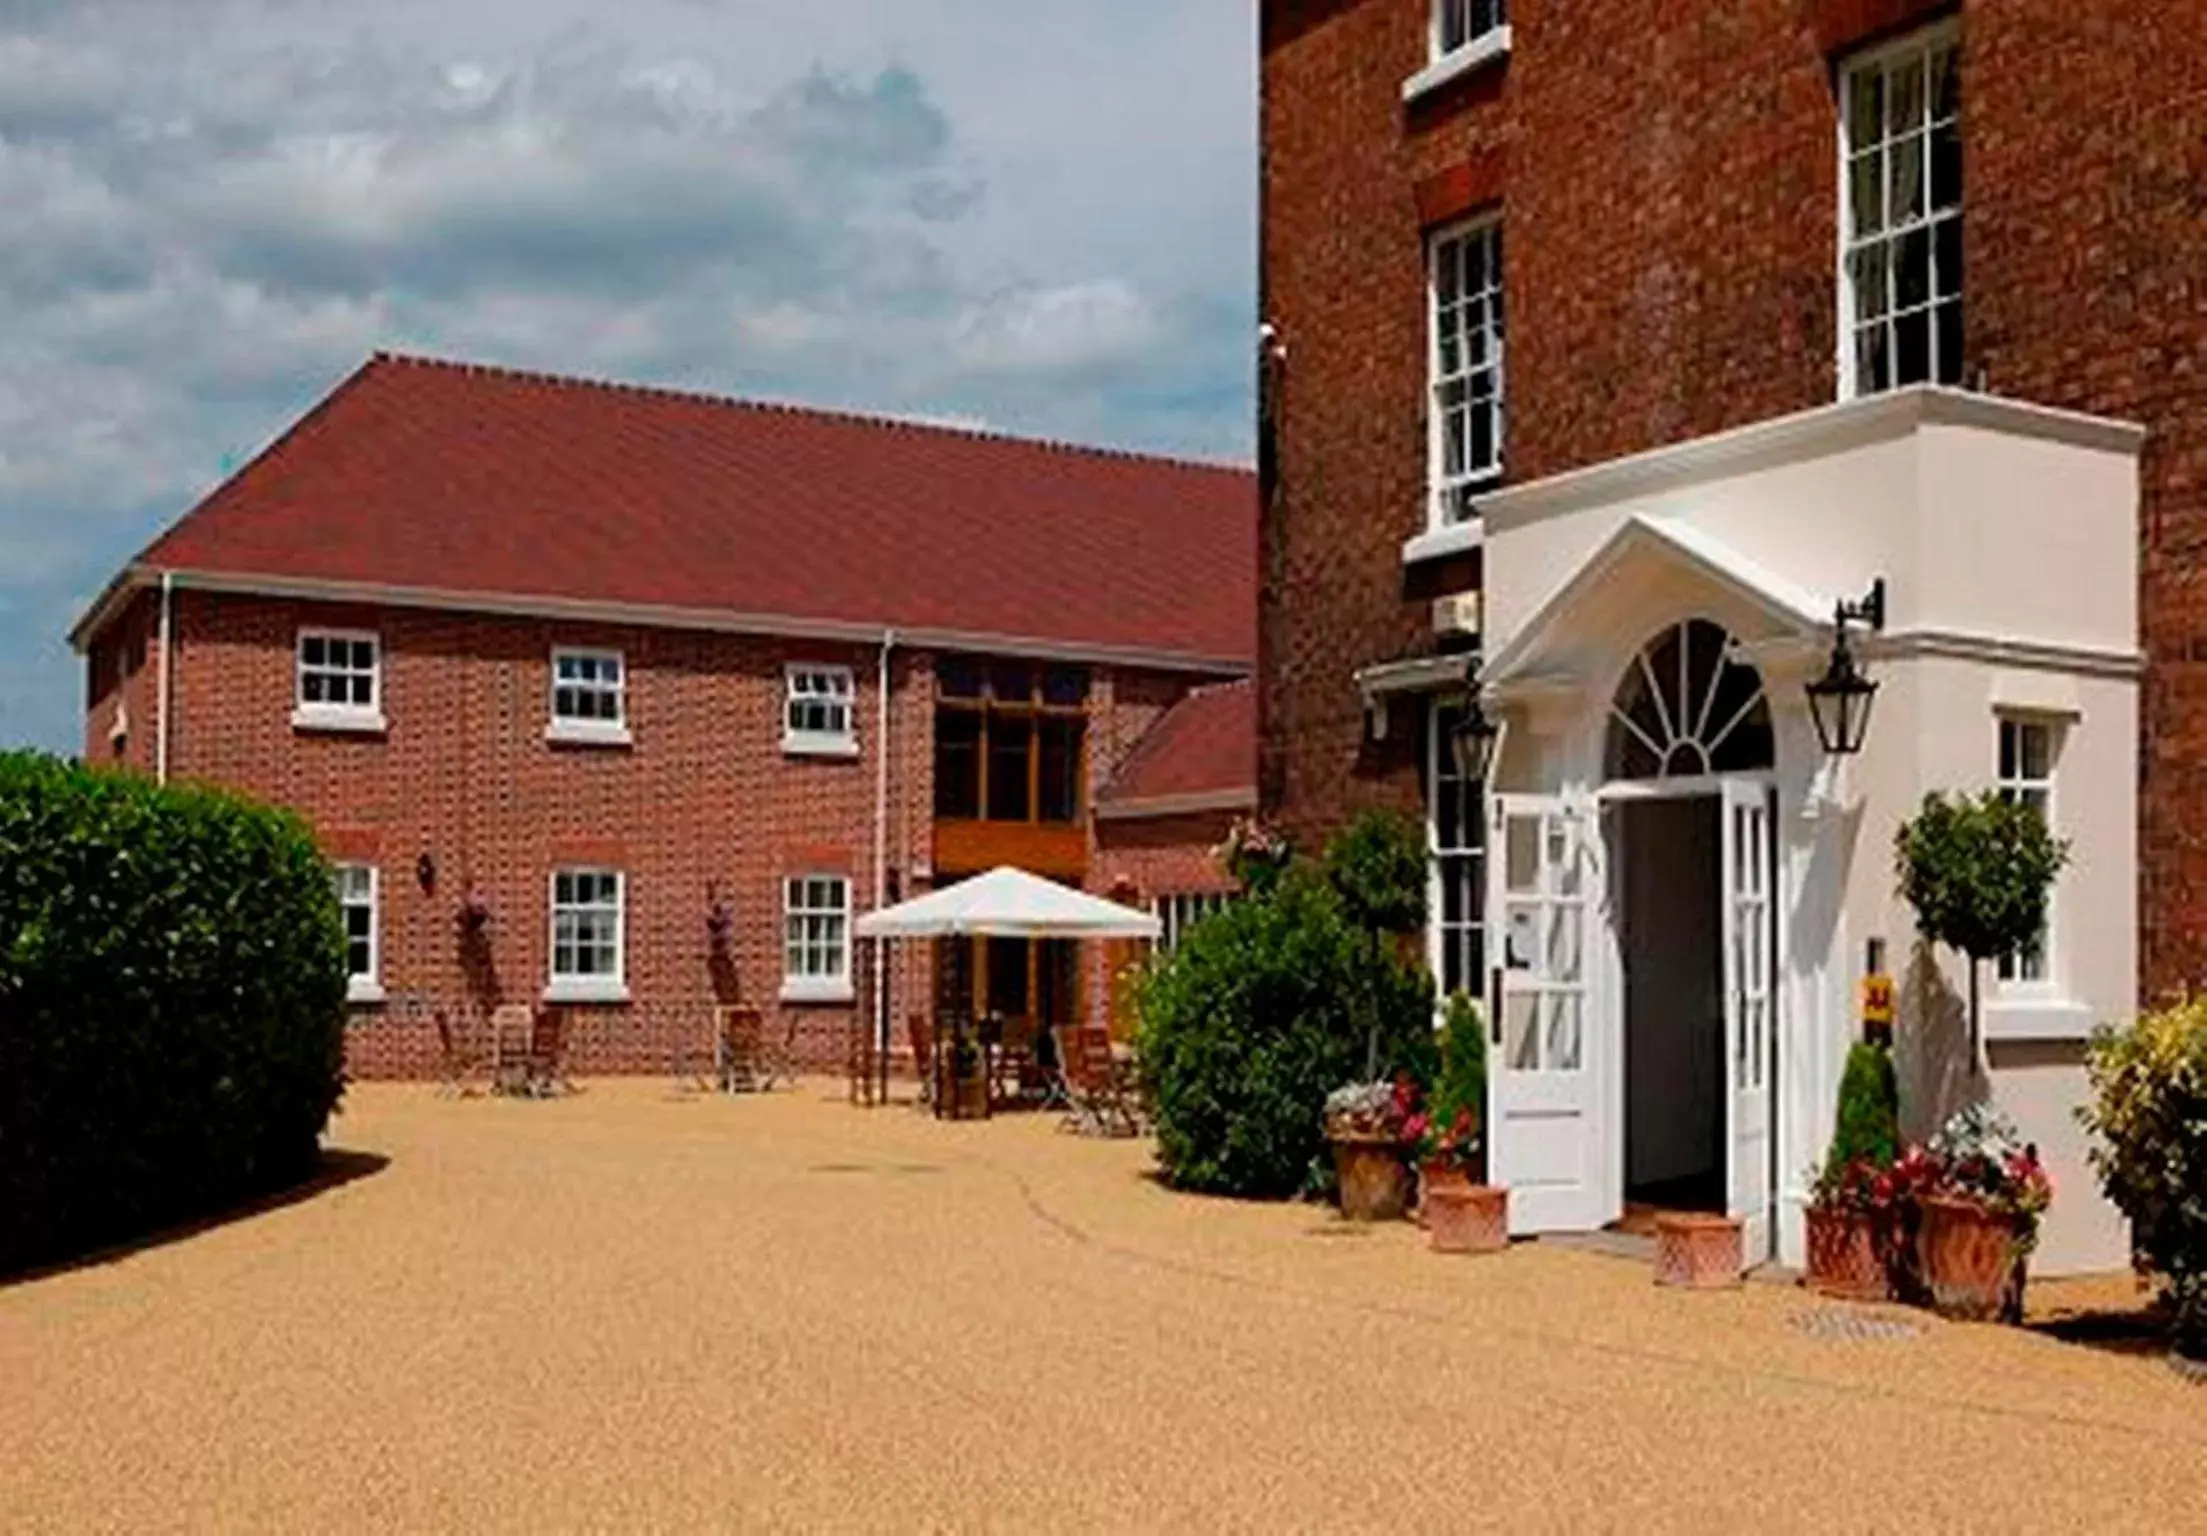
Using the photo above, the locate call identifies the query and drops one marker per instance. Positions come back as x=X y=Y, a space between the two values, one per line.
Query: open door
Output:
x=1749 y=916
x=1544 y=1068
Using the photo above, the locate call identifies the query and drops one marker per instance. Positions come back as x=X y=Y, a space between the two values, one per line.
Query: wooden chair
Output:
x=545 y=1067
x=694 y=1058
x=1102 y=1087
x=919 y=1030
x=741 y=1030
x=1015 y=1058
x=511 y=1028
x=458 y=1061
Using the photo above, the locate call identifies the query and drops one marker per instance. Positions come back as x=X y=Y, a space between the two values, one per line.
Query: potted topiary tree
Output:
x=1849 y=1233
x=1980 y=1215
x=2149 y=1117
x=1978 y=871
x=1451 y=1154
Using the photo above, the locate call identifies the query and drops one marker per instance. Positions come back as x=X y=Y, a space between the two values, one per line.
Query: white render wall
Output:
x=2007 y=538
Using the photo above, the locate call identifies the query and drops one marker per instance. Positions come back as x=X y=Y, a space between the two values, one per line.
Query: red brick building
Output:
x=1509 y=241
x=631 y=700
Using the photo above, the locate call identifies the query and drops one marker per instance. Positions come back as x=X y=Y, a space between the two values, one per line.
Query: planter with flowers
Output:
x=1462 y=1213
x=1847 y=1223
x=1979 y=1219
x=1853 y=1213
x=1369 y=1126
x=1254 y=855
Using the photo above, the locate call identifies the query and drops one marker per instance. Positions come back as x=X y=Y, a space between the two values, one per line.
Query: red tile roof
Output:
x=1202 y=749
x=457 y=479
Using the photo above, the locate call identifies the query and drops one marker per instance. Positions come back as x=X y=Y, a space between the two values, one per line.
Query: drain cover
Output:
x=838 y=1168
x=1840 y=1323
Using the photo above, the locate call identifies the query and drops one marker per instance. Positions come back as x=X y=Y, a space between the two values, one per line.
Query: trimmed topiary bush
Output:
x=2149 y=1116
x=1264 y=1009
x=1979 y=870
x=172 y=984
x=1461 y=1087
x=1868 y=1127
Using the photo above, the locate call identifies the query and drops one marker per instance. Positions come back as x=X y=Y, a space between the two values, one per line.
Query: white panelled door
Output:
x=1545 y=1068
x=1750 y=1007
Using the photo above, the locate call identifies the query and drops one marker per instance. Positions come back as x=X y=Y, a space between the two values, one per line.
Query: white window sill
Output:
x=1448 y=539
x=2030 y=1016
x=805 y=990
x=588 y=733
x=1480 y=51
x=326 y=717
x=818 y=744
x=363 y=989
x=586 y=989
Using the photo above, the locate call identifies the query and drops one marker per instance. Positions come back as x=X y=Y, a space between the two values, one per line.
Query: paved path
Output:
x=634 y=1309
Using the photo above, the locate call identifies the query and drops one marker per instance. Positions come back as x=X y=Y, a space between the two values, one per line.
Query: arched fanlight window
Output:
x=1687 y=707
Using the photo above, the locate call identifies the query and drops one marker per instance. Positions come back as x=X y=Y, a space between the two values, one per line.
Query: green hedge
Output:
x=172 y=984
x=1264 y=1009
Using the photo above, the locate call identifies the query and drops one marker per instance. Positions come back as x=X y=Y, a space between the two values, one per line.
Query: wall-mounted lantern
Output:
x=425 y=872
x=1839 y=701
x=1471 y=743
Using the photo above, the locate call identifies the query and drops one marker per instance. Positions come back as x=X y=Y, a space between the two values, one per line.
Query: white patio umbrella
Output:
x=1008 y=903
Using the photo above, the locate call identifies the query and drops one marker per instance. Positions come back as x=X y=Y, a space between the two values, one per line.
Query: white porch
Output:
x=1650 y=624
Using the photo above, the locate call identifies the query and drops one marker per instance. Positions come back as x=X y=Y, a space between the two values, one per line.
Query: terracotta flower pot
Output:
x=1438 y=1173
x=1843 y=1256
x=1969 y=1259
x=1374 y=1178
x=1698 y=1252
x=1468 y=1218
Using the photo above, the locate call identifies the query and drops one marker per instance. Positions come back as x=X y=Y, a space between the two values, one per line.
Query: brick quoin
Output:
x=704 y=801
x=1668 y=181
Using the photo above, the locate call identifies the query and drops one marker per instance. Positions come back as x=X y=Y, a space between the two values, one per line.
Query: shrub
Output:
x=172 y=982
x=1264 y=1009
x=2149 y=1114
x=1377 y=865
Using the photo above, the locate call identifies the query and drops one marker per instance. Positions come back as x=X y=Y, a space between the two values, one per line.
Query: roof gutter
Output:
x=652 y=615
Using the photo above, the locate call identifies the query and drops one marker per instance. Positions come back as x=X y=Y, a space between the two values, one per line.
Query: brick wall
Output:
x=704 y=798
x=1669 y=184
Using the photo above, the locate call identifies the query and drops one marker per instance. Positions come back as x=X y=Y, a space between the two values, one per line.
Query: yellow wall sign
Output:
x=1877 y=999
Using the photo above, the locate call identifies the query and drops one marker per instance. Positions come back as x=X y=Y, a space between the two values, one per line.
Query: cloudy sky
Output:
x=1033 y=214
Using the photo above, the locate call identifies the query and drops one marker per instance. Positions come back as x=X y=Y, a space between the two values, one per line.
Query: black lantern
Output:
x=1839 y=701
x=1471 y=742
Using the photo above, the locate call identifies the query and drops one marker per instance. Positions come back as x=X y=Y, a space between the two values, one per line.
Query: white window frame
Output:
x=1178 y=911
x=1473 y=853
x=586 y=986
x=1921 y=44
x=589 y=730
x=2012 y=975
x=1476 y=48
x=809 y=742
x=322 y=714
x=362 y=986
x=800 y=985
x=1441 y=487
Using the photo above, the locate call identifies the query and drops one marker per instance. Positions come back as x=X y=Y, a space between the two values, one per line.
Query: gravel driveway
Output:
x=639 y=1309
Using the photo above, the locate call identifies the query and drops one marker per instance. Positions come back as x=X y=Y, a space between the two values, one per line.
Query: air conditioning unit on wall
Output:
x=1456 y=614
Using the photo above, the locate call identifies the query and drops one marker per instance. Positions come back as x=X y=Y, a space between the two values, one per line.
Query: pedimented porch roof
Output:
x=1658 y=545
